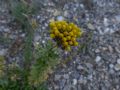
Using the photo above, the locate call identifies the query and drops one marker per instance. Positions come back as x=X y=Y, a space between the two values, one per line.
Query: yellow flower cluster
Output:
x=65 y=34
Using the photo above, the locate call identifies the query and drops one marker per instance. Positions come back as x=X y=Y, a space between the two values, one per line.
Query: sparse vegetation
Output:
x=36 y=69
x=46 y=59
x=39 y=61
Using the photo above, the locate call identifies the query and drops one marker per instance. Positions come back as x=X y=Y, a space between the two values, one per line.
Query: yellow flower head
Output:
x=65 y=34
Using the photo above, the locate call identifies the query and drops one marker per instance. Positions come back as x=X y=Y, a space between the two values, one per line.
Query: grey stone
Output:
x=111 y=71
x=37 y=38
x=66 y=76
x=56 y=87
x=110 y=49
x=62 y=83
x=3 y=21
x=57 y=77
x=117 y=18
x=117 y=67
x=79 y=67
x=67 y=87
x=104 y=48
x=3 y=52
x=89 y=65
x=117 y=49
x=82 y=81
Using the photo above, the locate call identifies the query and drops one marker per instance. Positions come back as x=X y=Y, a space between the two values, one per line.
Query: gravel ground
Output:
x=98 y=68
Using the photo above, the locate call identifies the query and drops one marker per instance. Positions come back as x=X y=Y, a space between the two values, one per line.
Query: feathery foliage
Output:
x=44 y=63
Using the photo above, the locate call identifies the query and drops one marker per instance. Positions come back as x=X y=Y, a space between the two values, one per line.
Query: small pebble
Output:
x=80 y=67
x=90 y=26
x=3 y=52
x=66 y=76
x=98 y=58
x=43 y=41
x=57 y=77
x=117 y=18
x=66 y=13
x=74 y=81
x=105 y=22
x=107 y=30
x=81 y=5
x=6 y=30
x=56 y=13
x=23 y=35
x=97 y=50
x=117 y=67
x=110 y=49
x=90 y=77
x=111 y=65
x=38 y=17
x=117 y=49
x=118 y=61
x=60 y=18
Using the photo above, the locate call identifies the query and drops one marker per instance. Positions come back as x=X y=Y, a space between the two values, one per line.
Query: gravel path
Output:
x=98 y=67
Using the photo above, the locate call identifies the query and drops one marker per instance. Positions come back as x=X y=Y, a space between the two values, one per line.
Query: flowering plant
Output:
x=65 y=34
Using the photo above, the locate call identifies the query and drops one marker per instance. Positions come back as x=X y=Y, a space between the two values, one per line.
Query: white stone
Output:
x=43 y=41
x=111 y=65
x=38 y=17
x=106 y=30
x=37 y=43
x=74 y=81
x=90 y=77
x=80 y=67
x=23 y=35
x=66 y=13
x=81 y=5
x=112 y=31
x=66 y=52
x=118 y=61
x=105 y=22
x=98 y=58
x=97 y=50
x=60 y=18
x=90 y=26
